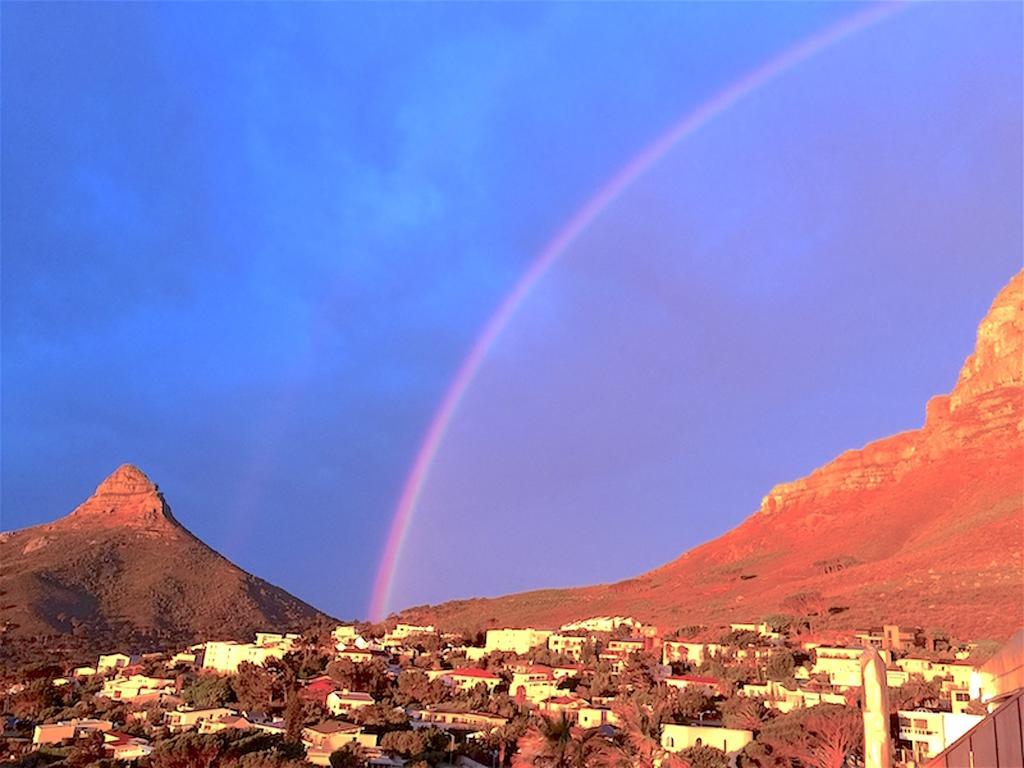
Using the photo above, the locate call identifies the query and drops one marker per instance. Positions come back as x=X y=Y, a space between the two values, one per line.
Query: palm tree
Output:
x=640 y=726
x=592 y=749
x=557 y=743
x=547 y=744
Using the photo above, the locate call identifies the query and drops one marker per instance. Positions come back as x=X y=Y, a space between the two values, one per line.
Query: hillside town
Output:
x=606 y=691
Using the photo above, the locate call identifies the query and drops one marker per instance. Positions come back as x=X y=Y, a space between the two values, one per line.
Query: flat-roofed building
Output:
x=676 y=738
x=688 y=651
x=185 y=718
x=923 y=734
x=453 y=720
x=226 y=656
x=994 y=742
x=343 y=702
x=110 y=662
x=602 y=624
x=135 y=686
x=709 y=685
x=595 y=717
x=331 y=735
x=468 y=678
x=512 y=640
x=566 y=705
x=54 y=733
x=842 y=664
x=568 y=645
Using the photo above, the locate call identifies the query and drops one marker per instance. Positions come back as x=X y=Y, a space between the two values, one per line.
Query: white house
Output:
x=110 y=662
x=225 y=656
x=468 y=678
x=53 y=733
x=595 y=717
x=134 y=686
x=343 y=702
x=184 y=719
x=676 y=738
x=924 y=734
x=520 y=641
x=124 y=746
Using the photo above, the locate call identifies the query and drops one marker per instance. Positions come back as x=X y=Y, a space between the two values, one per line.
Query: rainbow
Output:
x=604 y=197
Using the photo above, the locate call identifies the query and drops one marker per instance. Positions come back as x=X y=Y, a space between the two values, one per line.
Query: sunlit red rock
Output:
x=924 y=528
x=126 y=497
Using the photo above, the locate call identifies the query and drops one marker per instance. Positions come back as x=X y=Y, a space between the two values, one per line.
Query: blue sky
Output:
x=246 y=247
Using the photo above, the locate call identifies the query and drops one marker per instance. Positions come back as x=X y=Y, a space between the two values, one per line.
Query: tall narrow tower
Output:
x=877 y=741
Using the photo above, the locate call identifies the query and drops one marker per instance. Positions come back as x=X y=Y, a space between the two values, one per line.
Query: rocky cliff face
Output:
x=923 y=528
x=996 y=362
x=126 y=498
x=984 y=410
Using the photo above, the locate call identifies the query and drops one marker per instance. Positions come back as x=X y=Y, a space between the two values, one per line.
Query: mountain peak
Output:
x=998 y=357
x=126 y=497
x=126 y=479
x=120 y=568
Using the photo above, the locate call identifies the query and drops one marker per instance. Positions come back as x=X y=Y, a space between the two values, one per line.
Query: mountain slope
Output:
x=120 y=566
x=921 y=528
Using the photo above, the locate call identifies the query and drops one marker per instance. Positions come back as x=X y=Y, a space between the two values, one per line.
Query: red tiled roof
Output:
x=321 y=685
x=473 y=672
x=701 y=679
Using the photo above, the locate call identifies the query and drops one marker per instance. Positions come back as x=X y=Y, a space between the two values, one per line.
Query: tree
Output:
x=744 y=712
x=690 y=703
x=740 y=638
x=369 y=676
x=555 y=743
x=255 y=686
x=601 y=682
x=208 y=691
x=226 y=749
x=352 y=755
x=834 y=734
x=504 y=737
x=86 y=751
x=779 y=622
x=377 y=717
x=702 y=756
x=36 y=697
x=293 y=717
x=405 y=743
x=544 y=745
x=805 y=604
x=306 y=661
x=639 y=673
x=640 y=730
x=428 y=744
x=781 y=666
x=819 y=737
x=189 y=750
x=916 y=692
